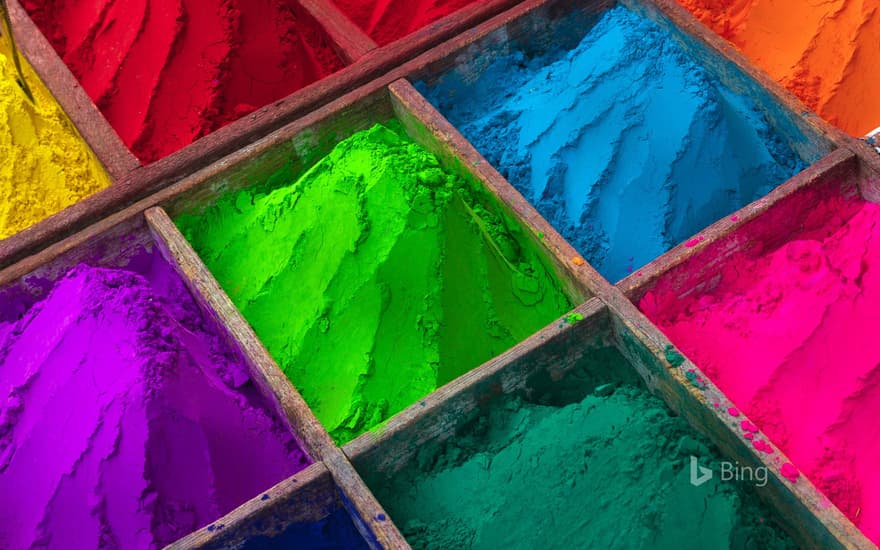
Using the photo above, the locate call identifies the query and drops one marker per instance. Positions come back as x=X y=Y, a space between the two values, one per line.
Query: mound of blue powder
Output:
x=625 y=144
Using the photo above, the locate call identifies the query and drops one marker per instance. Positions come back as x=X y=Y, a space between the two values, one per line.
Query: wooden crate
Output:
x=236 y=161
x=363 y=58
x=298 y=145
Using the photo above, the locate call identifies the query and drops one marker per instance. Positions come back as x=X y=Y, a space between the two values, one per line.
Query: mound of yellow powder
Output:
x=46 y=165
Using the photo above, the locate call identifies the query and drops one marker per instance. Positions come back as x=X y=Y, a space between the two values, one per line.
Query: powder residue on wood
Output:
x=46 y=164
x=387 y=20
x=166 y=73
x=825 y=52
x=789 y=334
x=125 y=421
x=376 y=276
x=592 y=460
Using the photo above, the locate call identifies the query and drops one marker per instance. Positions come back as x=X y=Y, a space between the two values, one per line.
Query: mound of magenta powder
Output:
x=376 y=276
x=624 y=144
x=591 y=461
x=788 y=333
x=125 y=421
x=387 y=20
x=166 y=73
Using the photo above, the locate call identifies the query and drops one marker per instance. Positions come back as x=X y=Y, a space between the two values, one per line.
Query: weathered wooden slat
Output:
x=265 y=372
x=351 y=42
x=273 y=382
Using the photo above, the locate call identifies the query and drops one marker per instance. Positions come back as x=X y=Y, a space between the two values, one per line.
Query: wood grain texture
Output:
x=807 y=515
x=375 y=525
x=91 y=124
x=350 y=42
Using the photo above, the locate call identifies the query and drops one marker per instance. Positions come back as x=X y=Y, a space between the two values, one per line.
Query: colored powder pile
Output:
x=125 y=422
x=387 y=20
x=376 y=276
x=608 y=468
x=47 y=165
x=789 y=335
x=167 y=73
x=824 y=52
x=624 y=144
x=336 y=531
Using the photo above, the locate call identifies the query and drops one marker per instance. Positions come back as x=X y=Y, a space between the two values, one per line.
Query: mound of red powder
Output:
x=167 y=73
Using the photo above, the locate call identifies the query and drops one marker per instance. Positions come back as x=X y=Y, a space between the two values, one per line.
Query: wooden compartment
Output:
x=133 y=242
x=297 y=148
x=533 y=31
x=378 y=458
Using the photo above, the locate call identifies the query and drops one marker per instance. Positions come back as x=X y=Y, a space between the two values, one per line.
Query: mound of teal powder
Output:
x=594 y=461
x=624 y=144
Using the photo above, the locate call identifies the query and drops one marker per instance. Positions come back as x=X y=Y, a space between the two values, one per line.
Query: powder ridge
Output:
x=823 y=52
x=167 y=73
x=624 y=144
x=47 y=165
x=788 y=335
x=125 y=420
x=375 y=277
x=595 y=462
x=387 y=20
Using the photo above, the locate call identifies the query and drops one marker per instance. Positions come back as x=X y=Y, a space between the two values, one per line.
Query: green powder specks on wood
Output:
x=573 y=318
x=672 y=356
x=589 y=461
x=375 y=277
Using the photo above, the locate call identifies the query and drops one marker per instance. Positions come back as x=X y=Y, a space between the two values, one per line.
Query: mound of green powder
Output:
x=376 y=276
x=594 y=461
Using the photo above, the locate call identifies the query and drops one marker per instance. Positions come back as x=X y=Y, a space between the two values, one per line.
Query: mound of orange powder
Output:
x=827 y=53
